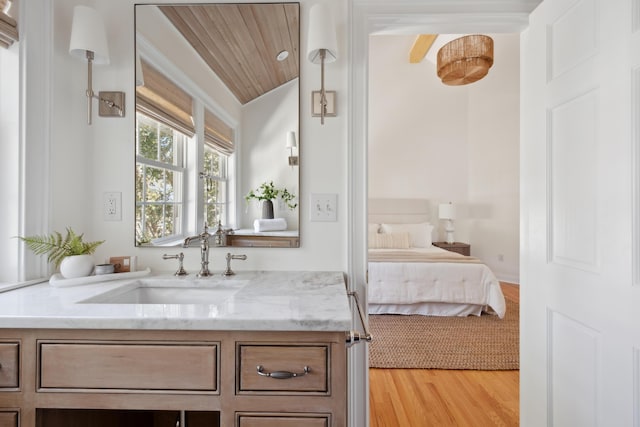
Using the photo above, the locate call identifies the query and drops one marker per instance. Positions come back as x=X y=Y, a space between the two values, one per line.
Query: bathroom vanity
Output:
x=258 y=349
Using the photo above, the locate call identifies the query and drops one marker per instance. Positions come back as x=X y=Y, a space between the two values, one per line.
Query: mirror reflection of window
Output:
x=159 y=180
x=214 y=175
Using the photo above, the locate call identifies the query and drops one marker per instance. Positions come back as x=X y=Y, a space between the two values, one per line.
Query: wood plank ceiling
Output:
x=240 y=42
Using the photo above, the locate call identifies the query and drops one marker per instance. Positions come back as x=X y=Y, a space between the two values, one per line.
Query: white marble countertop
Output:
x=252 y=301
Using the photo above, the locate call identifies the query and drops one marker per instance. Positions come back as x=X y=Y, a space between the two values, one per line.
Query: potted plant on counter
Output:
x=267 y=192
x=69 y=253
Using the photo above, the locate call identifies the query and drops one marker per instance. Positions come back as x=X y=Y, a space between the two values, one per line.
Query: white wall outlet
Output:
x=323 y=207
x=112 y=206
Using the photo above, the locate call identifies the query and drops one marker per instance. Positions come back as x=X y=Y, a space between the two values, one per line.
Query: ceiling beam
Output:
x=420 y=47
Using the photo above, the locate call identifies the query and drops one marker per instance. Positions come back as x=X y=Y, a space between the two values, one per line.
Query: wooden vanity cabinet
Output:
x=9 y=382
x=151 y=378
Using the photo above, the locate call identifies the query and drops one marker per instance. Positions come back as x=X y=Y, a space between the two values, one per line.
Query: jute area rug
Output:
x=430 y=342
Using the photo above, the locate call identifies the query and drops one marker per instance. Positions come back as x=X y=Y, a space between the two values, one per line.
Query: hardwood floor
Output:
x=430 y=397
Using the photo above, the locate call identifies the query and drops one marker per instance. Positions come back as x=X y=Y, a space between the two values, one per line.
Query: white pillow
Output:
x=374 y=228
x=389 y=240
x=419 y=234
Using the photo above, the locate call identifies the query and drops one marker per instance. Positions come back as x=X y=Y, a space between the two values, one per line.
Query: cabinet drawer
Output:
x=283 y=420
x=8 y=419
x=121 y=365
x=281 y=368
x=9 y=364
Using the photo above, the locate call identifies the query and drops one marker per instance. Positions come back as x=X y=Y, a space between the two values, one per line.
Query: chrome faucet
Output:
x=228 y=271
x=180 y=258
x=204 y=250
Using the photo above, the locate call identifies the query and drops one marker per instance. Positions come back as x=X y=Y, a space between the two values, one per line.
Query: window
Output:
x=174 y=147
x=160 y=179
x=214 y=175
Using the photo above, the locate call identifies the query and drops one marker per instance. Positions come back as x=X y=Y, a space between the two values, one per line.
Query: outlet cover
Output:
x=112 y=206
x=323 y=207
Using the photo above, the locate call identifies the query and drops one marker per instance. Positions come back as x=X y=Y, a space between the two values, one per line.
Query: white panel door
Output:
x=580 y=363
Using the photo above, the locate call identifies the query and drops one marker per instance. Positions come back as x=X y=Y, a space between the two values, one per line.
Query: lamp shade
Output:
x=87 y=33
x=322 y=34
x=139 y=72
x=446 y=211
x=465 y=60
x=291 y=140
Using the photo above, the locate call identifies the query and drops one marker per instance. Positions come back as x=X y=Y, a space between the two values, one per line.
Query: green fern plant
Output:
x=57 y=247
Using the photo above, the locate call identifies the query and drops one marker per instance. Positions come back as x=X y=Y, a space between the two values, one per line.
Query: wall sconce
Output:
x=447 y=212
x=89 y=40
x=291 y=145
x=322 y=47
x=139 y=74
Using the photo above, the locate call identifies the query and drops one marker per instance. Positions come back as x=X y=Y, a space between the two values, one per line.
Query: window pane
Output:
x=212 y=160
x=147 y=145
x=166 y=145
x=168 y=195
x=154 y=178
x=139 y=181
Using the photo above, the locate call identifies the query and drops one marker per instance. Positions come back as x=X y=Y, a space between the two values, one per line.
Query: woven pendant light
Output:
x=465 y=60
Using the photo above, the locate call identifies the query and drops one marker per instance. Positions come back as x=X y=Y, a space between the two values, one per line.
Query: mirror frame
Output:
x=244 y=158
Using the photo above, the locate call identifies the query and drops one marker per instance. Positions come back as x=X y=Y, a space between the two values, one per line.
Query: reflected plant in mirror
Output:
x=267 y=193
x=215 y=108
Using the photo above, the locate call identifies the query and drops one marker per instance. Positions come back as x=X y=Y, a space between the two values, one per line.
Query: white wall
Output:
x=88 y=161
x=264 y=156
x=494 y=152
x=446 y=143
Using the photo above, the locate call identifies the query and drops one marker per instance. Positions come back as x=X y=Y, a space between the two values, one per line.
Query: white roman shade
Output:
x=162 y=100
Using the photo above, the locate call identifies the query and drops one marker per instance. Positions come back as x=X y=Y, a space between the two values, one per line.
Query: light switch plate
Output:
x=323 y=207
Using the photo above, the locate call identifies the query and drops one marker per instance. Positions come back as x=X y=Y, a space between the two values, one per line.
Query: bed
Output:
x=408 y=275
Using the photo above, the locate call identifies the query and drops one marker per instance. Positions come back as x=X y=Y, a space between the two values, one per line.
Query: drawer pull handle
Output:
x=282 y=375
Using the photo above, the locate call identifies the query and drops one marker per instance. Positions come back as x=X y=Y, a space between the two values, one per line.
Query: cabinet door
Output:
x=8 y=418
x=9 y=355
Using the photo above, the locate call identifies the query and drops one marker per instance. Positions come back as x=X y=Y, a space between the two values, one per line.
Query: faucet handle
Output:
x=228 y=271
x=180 y=257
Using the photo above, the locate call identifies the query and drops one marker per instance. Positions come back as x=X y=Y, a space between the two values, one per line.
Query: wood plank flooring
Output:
x=430 y=397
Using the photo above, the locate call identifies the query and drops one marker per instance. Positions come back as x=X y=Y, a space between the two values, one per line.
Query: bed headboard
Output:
x=399 y=211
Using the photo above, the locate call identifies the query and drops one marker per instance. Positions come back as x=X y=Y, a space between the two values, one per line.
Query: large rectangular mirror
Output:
x=217 y=123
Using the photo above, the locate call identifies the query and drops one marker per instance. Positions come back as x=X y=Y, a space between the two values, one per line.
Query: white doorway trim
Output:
x=408 y=17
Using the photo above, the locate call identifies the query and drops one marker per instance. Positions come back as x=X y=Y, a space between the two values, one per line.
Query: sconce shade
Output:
x=291 y=140
x=446 y=211
x=139 y=72
x=465 y=60
x=322 y=34
x=88 y=34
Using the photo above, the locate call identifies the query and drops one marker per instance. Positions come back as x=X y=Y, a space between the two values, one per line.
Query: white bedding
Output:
x=433 y=288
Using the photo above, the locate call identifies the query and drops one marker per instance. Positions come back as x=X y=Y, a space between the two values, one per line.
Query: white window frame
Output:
x=179 y=167
x=222 y=178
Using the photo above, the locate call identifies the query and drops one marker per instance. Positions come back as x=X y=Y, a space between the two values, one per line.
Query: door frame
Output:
x=409 y=17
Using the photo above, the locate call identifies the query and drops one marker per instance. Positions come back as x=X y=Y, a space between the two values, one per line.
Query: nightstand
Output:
x=461 y=248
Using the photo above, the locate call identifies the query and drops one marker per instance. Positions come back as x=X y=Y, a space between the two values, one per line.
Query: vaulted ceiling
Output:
x=241 y=42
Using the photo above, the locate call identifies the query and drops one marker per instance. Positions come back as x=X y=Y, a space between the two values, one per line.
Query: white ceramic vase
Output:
x=76 y=266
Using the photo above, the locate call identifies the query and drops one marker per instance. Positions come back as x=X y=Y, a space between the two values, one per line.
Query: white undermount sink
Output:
x=166 y=291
